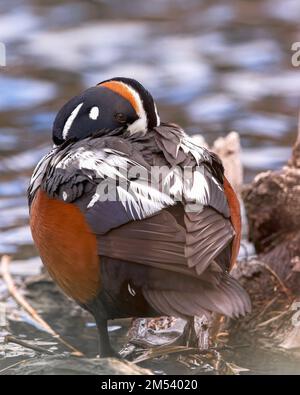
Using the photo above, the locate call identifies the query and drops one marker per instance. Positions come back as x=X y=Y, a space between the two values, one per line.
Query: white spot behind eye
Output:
x=131 y=290
x=70 y=120
x=94 y=113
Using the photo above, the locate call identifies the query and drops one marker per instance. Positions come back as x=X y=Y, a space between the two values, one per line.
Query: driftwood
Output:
x=229 y=150
x=272 y=204
x=272 y=278
x=273 y=210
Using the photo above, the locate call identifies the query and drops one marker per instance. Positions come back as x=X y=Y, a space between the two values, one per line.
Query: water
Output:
x=212 y=67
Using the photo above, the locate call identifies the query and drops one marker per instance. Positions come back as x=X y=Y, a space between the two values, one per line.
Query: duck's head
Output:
x=112 y=104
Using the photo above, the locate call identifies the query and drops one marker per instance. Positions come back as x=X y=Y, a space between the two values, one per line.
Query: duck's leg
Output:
x=198 y=333
x=105 y=348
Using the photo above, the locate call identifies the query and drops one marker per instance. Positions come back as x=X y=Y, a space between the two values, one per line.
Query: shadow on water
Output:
x=212 y=67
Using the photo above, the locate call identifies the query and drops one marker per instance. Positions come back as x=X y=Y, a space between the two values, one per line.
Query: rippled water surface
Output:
x=212 y=66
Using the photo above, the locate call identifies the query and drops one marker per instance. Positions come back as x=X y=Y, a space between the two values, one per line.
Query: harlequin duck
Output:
x=132 y=218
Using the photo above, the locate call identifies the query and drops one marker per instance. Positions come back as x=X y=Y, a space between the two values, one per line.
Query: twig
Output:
x=160 y=351
x=5 y=261
x=12 y=366
x=267 y=306
x=265 y=323
x=281 y=283
x=12 y=339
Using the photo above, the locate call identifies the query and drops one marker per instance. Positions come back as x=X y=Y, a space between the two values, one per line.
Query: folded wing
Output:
x=188 y=241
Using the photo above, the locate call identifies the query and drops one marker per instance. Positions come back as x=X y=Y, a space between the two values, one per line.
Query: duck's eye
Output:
x=121 y=118
x=94 y=113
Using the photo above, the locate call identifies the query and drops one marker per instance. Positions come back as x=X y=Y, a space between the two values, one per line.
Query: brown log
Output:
x=272 y=205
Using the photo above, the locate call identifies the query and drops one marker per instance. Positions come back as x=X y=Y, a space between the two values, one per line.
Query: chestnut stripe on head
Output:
x=124 y=91
x=140 y=99
x=134 y=99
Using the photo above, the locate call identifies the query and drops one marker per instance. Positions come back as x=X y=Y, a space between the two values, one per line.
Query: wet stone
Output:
x=52 y=366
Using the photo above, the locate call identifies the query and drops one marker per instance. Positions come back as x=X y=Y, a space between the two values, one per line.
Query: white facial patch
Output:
x=131 y=290
x=138 y=126
x=94 y=113
x=70 y=121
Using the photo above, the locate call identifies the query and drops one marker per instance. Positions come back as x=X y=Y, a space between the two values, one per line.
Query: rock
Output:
x=51 y=366
x=229 y=150
x=292 y=340
x=155 y=332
